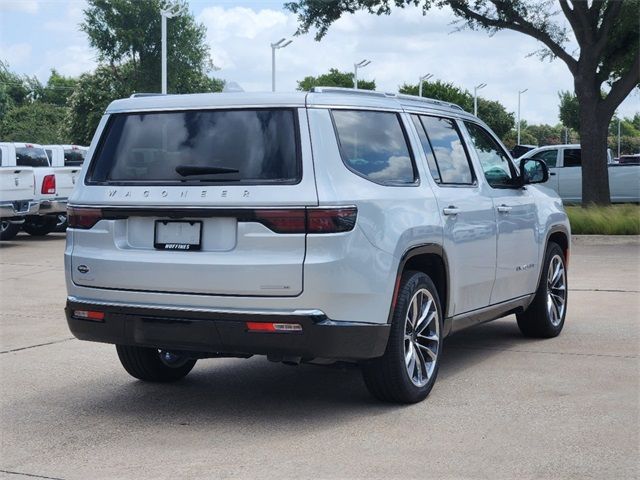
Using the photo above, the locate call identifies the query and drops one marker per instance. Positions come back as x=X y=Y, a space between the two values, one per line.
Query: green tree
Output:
x=569 y=110
x=491 y=112
x=606 y=32
x=58 y=89
x=128 y=32
x=35 y=122
x=334 y=78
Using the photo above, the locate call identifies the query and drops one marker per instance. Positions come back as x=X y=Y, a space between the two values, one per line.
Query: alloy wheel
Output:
x=421 y=337
x=556 y=290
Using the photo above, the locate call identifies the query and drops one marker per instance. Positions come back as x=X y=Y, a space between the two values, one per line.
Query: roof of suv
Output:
x=318 y=97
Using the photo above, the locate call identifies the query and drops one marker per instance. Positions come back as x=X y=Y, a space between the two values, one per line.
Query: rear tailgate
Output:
x=66 y=178
x=16 y=183
x=223 y=232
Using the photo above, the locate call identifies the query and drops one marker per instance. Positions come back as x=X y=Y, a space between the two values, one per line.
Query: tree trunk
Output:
x=594 y=128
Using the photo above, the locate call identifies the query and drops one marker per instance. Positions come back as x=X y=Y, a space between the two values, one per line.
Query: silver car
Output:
x=307 y=227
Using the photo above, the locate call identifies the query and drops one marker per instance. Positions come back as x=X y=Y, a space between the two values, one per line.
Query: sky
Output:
x=38 y=35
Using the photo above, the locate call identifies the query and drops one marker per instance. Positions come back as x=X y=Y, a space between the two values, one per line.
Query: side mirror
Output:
x=533 y=170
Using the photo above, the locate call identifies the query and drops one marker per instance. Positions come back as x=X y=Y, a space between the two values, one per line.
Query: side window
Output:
x=448 y=150
x=496 y=165
x=374 y=146
x=550 y=157
x=428 y=151
x=572 y=157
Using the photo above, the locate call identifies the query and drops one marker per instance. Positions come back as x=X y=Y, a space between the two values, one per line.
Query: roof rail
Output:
x=143 y=94
x=353 y=91
x=432 y=101
x=398 y=96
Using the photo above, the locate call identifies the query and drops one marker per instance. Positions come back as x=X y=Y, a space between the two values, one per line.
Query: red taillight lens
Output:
x=48 y=184
x=84 y=218
x=274 y=327
x=89 y=315
x=331 y=220
x=283 y=221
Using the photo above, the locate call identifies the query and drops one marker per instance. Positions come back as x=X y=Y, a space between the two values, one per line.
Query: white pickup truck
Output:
x=51 y=189
x=565 y=174
x=16 y=194
x=70 y=157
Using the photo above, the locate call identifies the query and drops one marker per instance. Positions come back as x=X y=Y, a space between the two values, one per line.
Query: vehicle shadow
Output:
x=258 y=393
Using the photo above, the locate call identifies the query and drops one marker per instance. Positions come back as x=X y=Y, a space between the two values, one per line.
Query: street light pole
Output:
x=274 y=46
x=520 y=92
x=618 y=138
x=170 y=12
x=423 y=79
x=475 y=97
x=361 y=64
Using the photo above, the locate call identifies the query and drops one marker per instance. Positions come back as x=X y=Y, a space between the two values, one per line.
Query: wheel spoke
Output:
x=428 y=351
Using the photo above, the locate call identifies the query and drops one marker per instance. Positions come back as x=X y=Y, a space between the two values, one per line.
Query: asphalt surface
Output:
x=503 y=407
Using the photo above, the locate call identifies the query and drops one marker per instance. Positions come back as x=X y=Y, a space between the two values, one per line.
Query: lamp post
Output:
x=423 y=79
x=356 y=66
x=520 y=92
x=283 y=42
x=618 y=138
x=475 y=97
x=172 y=11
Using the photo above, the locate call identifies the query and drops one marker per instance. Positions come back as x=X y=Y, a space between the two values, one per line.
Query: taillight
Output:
x=83 y=218
x=313 y=220
x=283 y=221
x=48 y=184
x=331 y=220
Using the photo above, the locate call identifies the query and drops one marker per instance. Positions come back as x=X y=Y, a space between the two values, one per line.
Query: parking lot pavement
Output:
x=503 y=406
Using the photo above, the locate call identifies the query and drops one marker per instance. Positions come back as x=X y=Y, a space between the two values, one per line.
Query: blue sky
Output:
x=37 y=35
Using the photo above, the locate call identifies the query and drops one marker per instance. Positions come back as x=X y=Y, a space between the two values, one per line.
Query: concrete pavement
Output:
x=503 y=407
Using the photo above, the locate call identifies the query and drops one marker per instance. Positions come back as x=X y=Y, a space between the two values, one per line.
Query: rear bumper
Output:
x=225 y=332
x=18 y=208
x=59 y=205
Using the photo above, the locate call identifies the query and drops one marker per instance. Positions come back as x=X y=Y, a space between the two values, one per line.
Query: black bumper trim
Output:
x=226 y=333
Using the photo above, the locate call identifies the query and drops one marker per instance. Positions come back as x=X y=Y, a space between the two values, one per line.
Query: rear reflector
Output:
x=83 y=218
x=89 y=315
x=273 y=327
x=48 y=184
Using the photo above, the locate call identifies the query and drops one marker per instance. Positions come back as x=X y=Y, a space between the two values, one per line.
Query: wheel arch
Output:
x=430 y=259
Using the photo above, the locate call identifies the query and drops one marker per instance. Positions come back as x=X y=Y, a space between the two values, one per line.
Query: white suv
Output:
x=331 y=225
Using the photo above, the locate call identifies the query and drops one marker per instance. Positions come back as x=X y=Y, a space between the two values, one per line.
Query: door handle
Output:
x=451 y=210
x=504 y=208
x=552 y=174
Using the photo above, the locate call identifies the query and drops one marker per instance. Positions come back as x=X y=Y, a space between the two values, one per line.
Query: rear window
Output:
x=73 y=157
x=213 y=146
x=31 y=157
x=373 y=145
x=572 y=157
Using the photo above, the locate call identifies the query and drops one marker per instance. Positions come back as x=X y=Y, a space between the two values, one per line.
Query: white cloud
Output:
x=24 y=6
x=16 y=55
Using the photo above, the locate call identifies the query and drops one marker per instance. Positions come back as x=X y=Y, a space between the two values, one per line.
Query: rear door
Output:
x=204 y=202
x=570 y=175
x=467 y=211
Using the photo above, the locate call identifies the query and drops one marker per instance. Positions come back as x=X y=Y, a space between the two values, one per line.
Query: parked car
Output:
x=16 y=194
x=71 y=157
x=520 y=150
x=332 y=225
x=565 y=174
x=52 y=187
x=629 y=159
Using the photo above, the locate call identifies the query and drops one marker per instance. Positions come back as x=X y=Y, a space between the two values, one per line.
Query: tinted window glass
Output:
x=216 y=146
x=49 y=154
x=31 y=157
x=74 y=157
x=451 y=158
x=550 y=157
x=572 y=157
x=495 y=163
x=374 y=146
x=426 y=146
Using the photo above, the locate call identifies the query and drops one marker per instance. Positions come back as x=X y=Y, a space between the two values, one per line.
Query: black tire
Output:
x=40 y=226
x=543 y=319
x=387 y=377
x=8 y=230
x=147 y=364
x=61 y=223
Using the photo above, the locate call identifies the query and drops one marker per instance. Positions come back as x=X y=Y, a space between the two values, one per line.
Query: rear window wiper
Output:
x=192 y=170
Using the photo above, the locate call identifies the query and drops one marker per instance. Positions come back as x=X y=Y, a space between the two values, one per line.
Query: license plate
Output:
x=174 y=235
